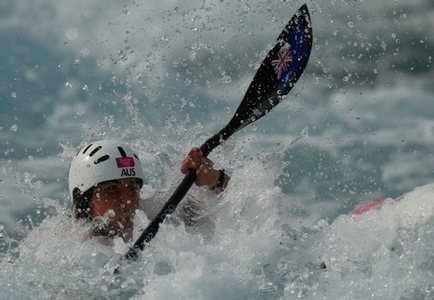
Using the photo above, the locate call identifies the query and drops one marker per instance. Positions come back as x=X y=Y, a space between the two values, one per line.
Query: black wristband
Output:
x=222 y=182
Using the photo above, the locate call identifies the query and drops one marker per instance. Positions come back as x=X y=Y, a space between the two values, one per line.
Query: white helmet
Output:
x=103 y=161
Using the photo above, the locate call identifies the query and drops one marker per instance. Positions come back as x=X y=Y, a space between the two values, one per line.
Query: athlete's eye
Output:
x=133 y=187
x=112 y=188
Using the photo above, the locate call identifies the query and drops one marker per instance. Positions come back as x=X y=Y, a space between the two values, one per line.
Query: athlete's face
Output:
x=116 y=201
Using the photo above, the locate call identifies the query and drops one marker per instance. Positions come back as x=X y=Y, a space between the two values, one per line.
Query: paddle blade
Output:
x=279 y=71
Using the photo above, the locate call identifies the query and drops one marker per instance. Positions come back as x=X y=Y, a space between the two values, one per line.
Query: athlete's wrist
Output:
x=222 y=182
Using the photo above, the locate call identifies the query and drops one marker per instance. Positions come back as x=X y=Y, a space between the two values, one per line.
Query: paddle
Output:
x=276 y=76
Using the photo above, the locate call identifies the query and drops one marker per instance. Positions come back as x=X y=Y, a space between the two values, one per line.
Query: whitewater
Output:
x=166 y=76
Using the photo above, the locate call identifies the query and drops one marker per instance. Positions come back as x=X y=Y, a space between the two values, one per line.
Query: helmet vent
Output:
x=101 y=159
x=87 y=148
x=95 y=151
x=136 y=156
x=122 y=151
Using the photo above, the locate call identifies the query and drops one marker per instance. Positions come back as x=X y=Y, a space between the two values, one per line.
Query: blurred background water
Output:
x=166 y=76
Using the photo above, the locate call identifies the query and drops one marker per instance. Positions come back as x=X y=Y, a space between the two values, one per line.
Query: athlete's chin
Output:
x=124 y=232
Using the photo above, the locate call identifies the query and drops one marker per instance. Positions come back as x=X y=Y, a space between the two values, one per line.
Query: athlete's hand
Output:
x=205 y=172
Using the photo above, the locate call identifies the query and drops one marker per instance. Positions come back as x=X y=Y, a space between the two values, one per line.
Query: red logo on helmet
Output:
x=125 y=162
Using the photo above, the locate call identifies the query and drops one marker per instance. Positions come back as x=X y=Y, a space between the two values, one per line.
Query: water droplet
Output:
x=226 y=79
x=72 y=34
x=305 y=132
x=14 y=127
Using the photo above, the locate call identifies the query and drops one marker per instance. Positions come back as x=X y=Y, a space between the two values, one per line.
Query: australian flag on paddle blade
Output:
x=292 y=51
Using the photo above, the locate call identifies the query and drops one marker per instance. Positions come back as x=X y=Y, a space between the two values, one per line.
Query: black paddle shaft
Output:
x=278 y=73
